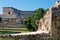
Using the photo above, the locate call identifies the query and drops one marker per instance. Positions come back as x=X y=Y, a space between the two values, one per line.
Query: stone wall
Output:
x=26 y=37
x=56 y=21
x=51 y=22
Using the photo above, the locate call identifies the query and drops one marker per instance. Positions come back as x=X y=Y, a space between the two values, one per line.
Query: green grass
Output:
x=12 y=30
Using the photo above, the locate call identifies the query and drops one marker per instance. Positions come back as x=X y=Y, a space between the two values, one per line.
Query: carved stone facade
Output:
x=12 y=16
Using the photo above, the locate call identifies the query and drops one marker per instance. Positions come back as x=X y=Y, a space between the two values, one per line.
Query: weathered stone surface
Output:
x=51 y=22
x=13 y=17
x=26 y=37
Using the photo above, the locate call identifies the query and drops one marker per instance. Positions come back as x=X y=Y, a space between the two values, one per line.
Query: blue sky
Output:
x=26 y=4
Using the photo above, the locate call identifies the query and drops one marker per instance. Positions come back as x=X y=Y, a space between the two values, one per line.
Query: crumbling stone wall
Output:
x=26 y=37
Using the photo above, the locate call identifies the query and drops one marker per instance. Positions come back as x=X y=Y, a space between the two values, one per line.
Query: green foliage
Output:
x=30 y=22
x=12 y=30
x=47 y=9
x=39 y=13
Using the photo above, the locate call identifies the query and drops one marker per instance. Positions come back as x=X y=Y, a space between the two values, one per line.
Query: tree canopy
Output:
x=30 y=22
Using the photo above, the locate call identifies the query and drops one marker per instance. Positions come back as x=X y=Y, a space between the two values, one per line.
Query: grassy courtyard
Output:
x=12 y=30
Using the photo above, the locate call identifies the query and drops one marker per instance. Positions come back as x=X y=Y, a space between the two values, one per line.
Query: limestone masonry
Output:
x=12 y=17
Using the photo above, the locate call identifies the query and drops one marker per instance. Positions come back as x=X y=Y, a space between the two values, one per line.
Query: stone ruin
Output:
x=14 y=18
x=48 y=27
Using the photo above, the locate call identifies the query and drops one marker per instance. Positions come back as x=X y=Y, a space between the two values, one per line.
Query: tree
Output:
x=47 y=9
x=39 y=13
x=30 y=22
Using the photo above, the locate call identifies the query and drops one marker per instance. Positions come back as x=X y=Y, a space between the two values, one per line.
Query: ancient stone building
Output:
x=12 y=16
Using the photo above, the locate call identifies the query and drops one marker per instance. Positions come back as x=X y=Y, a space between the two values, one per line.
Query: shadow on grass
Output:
x=8 y=32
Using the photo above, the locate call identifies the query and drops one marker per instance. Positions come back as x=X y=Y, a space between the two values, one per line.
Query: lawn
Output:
x=12 y=30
